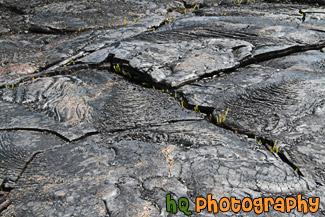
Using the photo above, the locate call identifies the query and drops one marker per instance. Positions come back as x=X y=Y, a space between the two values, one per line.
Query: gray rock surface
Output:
x=108 y=106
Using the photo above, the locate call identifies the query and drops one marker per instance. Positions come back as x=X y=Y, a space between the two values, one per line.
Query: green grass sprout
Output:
x=224 y=117
x=196 y=108
x=275 y=148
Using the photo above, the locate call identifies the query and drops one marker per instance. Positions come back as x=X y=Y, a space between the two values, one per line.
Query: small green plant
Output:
x=239 y=1
x=296 y=170
x=185 y=11
x=135 y=20
x=248 y=2
x=124 y=21
x=182 y=104
x=196 y=6
x=153 y=29
x=145 y=84
x=117 y=68
x=196 y=108
x=222 y=117
x=109 y=24
x=153 y=87
x=162 y=90
x=175 y=95
x=81 y=29
x=274 y=148
x=126 y=73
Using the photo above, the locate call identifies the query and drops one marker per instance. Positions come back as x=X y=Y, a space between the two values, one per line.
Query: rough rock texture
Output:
x=108 y=106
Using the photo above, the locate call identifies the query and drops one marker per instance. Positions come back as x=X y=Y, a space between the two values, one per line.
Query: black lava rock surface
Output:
x=108 y=106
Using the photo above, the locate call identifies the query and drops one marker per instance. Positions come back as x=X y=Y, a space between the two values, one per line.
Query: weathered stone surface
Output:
x=18 y=148
x=66 y=16
x=94 y=101
x=96 y=105
x=193 y=47
x=21 y=55
x=281 y=100
x=122 y=174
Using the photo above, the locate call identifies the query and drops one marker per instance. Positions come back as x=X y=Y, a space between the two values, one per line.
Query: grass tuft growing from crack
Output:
x=182 y=104
x=222 y=117
x=117 y=68
x=196 y=108
x=274 y=148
